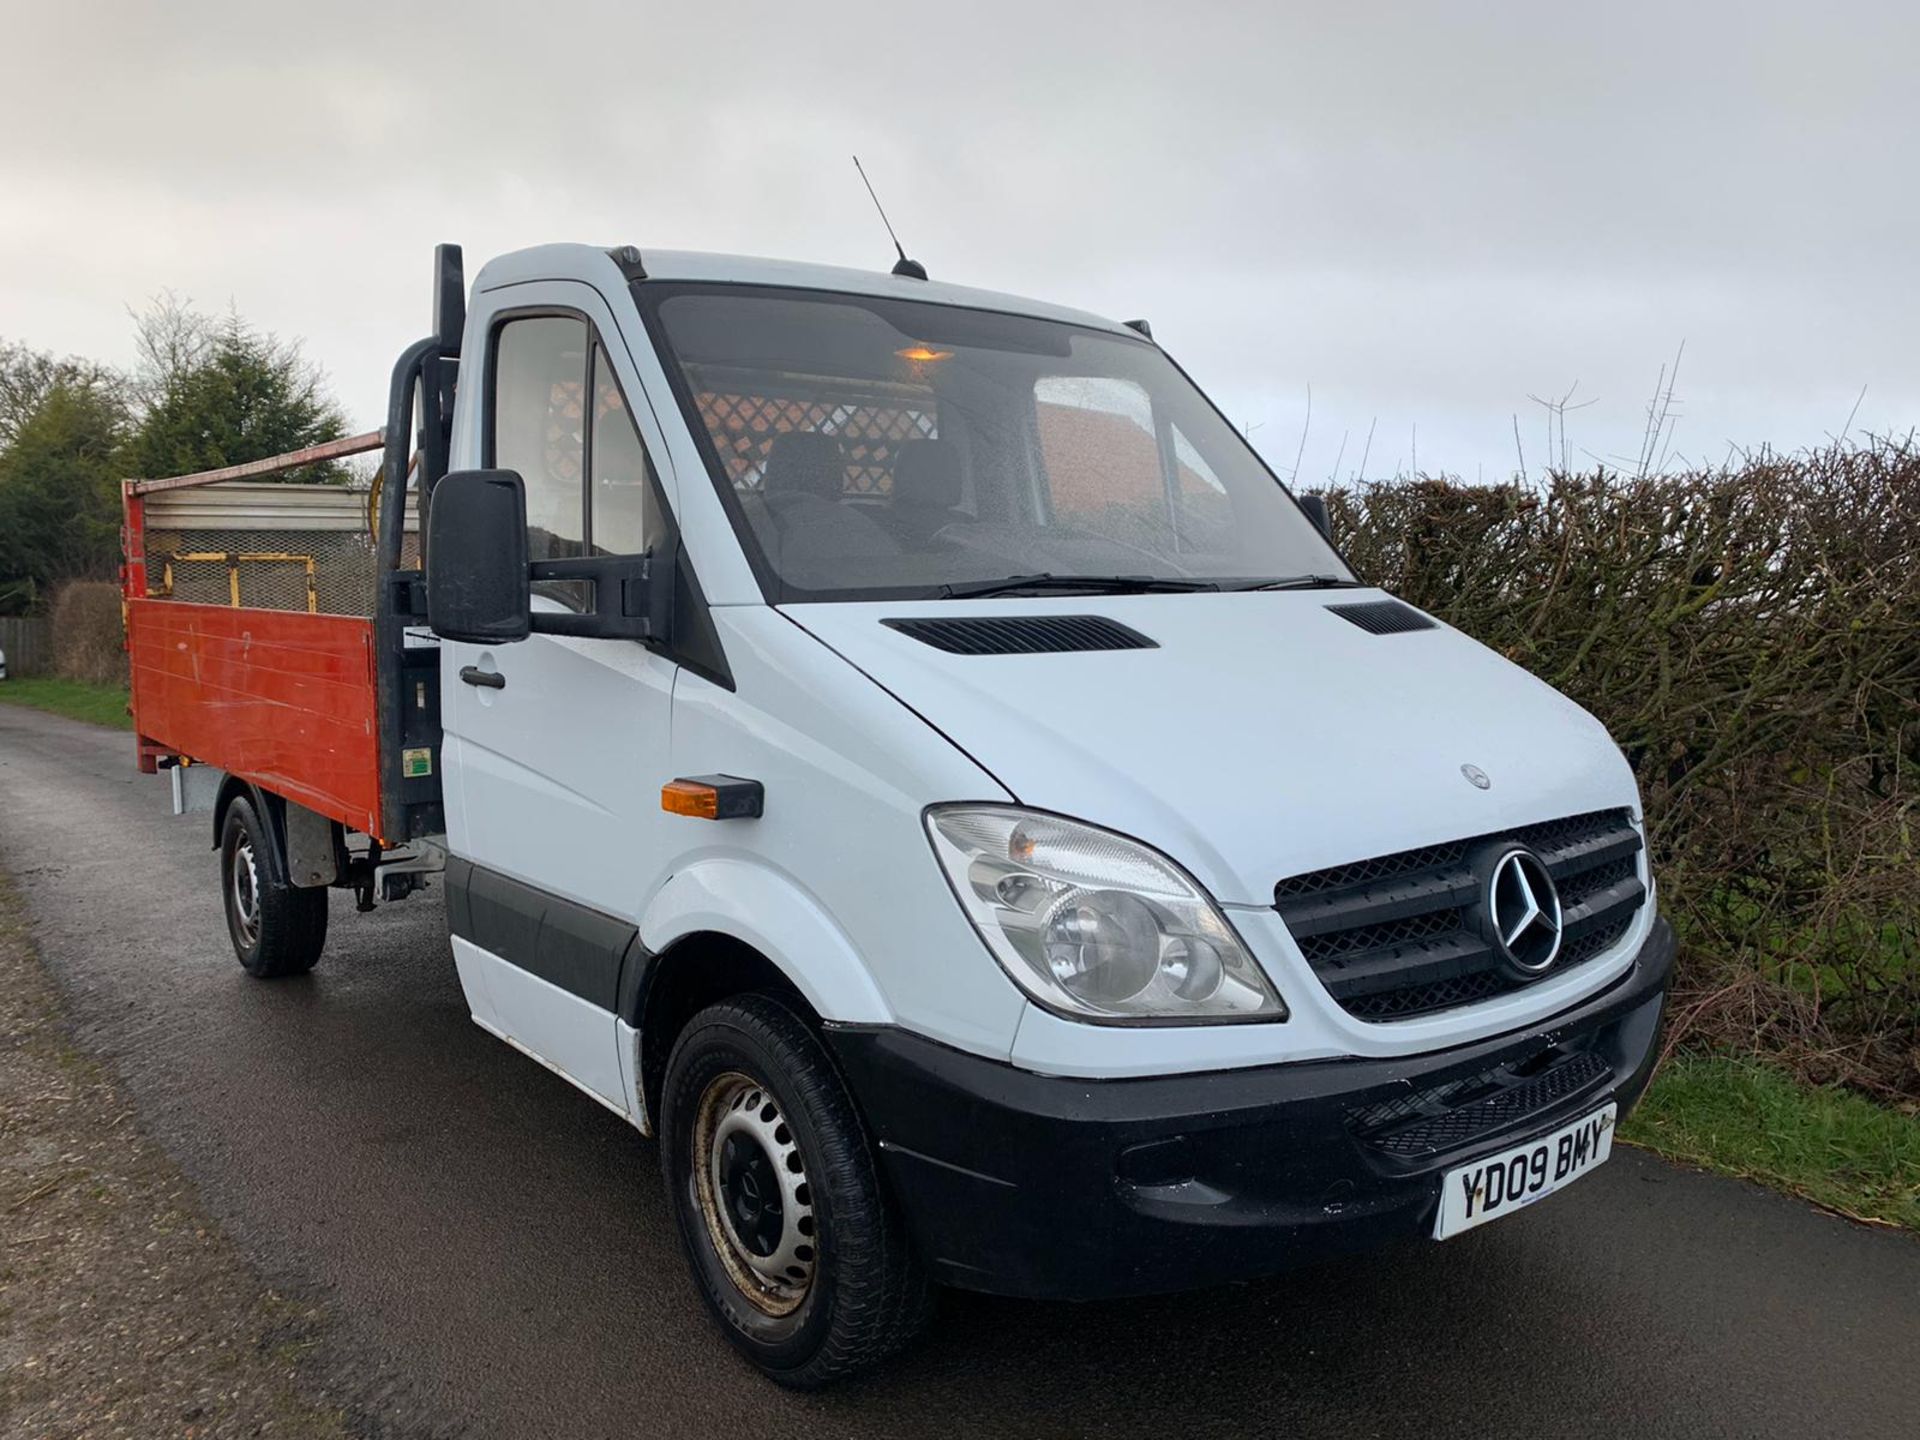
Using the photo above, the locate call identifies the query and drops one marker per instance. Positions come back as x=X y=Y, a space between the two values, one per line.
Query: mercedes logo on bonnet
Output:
x=1522 y=909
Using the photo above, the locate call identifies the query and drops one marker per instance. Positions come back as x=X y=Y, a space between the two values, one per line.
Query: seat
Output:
x=926 y=490
x=801 y=491
x=804 y=465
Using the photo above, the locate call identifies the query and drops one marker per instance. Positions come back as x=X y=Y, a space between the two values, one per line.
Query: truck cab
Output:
x=898 y=746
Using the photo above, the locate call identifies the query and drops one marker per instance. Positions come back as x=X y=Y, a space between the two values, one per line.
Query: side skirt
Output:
x=553 y=978
x=547 y=1064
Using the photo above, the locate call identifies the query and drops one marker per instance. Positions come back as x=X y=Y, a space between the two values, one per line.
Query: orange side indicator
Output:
x=690 y=797
x=713 y=797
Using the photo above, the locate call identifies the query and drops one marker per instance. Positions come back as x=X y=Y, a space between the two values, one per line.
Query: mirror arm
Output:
x=632 y=595
x=586 y=627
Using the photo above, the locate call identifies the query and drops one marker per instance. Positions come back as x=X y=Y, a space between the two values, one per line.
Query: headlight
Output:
x=1094 y=925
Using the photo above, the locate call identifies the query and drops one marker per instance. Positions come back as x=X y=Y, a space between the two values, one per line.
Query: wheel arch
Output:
x=727 y=926
x=268 y=806
x=696 y=971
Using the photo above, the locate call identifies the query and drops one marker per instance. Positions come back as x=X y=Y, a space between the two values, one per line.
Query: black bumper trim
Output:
x=1035 y=1185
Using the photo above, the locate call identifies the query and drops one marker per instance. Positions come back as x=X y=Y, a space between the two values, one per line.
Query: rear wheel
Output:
x=796 y=1247
x=277 y=929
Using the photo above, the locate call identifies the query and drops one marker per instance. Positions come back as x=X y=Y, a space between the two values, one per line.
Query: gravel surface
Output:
x=123 y=1311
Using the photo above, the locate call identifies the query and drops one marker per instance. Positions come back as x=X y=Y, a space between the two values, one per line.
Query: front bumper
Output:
x=1046 y=1186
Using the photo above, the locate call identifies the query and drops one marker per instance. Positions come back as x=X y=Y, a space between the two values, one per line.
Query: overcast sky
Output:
x=1424 y=212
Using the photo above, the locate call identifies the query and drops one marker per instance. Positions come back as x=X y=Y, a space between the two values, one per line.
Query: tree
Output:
x=59 y=491
x=219 y=392
x=206 y=393
x=28 y=375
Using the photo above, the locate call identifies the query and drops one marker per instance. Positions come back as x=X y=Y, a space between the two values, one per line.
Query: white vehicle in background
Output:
x=3 y=664
x=899 y=746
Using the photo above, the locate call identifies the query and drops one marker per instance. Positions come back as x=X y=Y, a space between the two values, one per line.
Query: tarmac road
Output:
x=499 y=1259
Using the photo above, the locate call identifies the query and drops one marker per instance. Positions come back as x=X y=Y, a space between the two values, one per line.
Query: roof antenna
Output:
x=912 y=269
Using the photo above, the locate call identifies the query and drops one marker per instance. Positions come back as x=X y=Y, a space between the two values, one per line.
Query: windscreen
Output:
x=870 y=448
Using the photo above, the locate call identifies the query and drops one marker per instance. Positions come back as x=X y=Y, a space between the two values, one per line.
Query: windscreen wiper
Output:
x=1077 y=584
x=1303 y=582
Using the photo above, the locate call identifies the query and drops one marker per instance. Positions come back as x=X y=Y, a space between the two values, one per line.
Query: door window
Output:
x=626 y=518
x=539 y=387
x=545 y=367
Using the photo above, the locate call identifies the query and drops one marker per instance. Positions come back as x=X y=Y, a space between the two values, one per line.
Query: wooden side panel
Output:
x=280 y=697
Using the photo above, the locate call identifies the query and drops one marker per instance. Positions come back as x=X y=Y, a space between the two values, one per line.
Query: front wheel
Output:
x=796 y=1247
x=277 y=929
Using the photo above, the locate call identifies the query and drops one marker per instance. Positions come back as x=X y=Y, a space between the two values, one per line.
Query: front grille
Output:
x=1394 y=936
x=1453 y=1115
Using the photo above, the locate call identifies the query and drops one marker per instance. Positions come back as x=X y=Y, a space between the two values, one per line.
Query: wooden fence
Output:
x=28 y=645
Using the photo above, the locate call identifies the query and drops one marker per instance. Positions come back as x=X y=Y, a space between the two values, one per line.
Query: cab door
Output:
x=559 y=744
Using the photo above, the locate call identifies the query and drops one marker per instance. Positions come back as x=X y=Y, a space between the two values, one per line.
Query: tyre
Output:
x=277 y=929
x=797 y=1250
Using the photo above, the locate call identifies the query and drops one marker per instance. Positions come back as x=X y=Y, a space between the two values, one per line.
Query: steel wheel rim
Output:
x=749 y=1184
x=244 y=894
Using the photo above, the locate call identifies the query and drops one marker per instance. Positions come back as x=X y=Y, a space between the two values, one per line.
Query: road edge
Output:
x=124 y=1309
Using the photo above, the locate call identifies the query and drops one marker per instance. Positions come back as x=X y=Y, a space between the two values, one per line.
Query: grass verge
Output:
x=97 y=704
x=1828 y=1145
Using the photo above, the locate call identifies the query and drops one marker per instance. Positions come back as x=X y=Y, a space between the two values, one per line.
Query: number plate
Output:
x=1514 y=1179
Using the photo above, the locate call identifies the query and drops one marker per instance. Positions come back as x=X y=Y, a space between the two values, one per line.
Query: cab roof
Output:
x=586 y=262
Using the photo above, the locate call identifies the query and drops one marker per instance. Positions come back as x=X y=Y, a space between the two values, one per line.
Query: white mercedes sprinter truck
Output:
x=897 y=745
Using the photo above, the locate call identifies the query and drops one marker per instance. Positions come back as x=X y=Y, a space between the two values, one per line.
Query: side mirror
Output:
x=477 y=588
x=480 y=582
x=1316 y=508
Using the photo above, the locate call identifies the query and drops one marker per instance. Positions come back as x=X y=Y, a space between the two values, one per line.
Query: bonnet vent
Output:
x=1022 y=634
x=1383 y=617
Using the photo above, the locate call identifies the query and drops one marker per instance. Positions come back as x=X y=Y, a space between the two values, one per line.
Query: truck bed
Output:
x=251 y=638
x=283 y=698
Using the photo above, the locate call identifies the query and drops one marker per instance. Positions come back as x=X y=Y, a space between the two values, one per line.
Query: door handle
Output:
x=491 y=679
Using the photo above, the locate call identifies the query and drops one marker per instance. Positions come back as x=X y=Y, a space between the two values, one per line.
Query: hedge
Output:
x=1751 y=636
